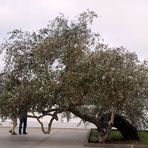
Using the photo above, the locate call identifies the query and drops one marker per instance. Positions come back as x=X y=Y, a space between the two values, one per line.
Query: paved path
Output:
x=58 y=138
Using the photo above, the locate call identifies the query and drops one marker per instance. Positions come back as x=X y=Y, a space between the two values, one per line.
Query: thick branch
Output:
x=53 y=117
x=42 y=126
x=84 y=116
x=46 y=112
x=105 y=134
x=41 y=116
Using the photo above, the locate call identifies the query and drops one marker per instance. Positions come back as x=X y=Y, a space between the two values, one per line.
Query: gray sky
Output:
x=120 y=22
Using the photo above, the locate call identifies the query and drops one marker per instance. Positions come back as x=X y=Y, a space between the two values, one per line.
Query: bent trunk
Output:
x=106 y=128
x=128 y=131
x=106 y=122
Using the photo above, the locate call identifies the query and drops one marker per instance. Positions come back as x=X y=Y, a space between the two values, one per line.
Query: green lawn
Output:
x=116 y=137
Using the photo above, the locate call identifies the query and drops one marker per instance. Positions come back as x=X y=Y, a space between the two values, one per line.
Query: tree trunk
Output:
x=106 y=122
x=128 y=131
x=105 y=130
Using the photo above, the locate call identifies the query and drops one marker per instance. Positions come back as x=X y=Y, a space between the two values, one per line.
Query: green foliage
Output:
x=31 y=59
x=111 y=77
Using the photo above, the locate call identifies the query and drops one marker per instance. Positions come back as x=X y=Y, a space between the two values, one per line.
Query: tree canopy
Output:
x=65 y=67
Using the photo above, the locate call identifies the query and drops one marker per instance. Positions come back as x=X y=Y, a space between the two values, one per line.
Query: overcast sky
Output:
x=120 y=22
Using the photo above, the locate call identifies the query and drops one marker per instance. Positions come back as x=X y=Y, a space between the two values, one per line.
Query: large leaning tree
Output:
x=66 y=68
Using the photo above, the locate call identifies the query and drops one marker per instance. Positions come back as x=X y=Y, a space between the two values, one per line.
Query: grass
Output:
x=116 y=137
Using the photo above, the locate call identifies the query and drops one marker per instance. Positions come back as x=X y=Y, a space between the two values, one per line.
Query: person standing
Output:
x=23 y=122
x=14 y=124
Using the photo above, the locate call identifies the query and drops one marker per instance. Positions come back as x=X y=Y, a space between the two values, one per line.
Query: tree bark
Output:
x=128 y=131
x=105 y=131
x=106 y=122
